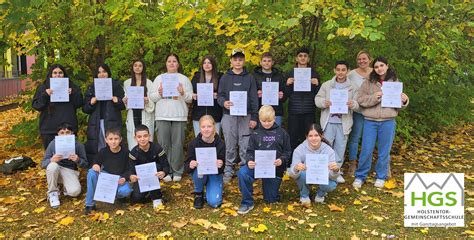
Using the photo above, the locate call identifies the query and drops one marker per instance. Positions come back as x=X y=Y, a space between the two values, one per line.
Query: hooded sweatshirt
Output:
x=274 y=76
x=80 y=151
x=299 y=156
x=199 y=143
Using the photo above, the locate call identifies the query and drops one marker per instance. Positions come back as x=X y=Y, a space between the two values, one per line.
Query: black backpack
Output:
x=16 y=164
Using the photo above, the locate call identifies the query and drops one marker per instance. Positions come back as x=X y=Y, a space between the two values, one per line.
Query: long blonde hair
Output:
x=213 y=122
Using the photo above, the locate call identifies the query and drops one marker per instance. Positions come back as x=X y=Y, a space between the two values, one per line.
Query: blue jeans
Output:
x=356 y=134
x=197 y=130
x=123 y=191
x=270 y=186
x=214 y=185
x=278 y=120
x=305 y=189
x=383 y=133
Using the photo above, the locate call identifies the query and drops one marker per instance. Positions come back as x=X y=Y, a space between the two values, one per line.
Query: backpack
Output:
x=16 y=164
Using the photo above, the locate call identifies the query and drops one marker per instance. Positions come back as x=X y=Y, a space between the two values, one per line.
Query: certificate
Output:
x=207 y=160
x=147 y=179
x=302 y=80
x=270 y=93
x=239 y=101
x=103 y=89
x=65 y=145
x=392 y=94
x=317 y=169
x=339 y=99
x=106 y=187
x=265 y=164
x=170 y=84
x=136 y=97
x=60 y=87
x=205 y=94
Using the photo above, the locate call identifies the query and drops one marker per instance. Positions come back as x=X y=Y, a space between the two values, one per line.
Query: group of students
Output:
x=260 y=129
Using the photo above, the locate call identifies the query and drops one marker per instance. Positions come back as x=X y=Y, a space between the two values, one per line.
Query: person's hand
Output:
x=259 y=93
x=69 y=91
x=314 y=81
x=215 y=95
x=300 y=167
x=228 y=104
x=251 y=164
x=195 y=96
x=121 y=181
x=73 y=157
x=378 y=95
x=220 y=163
x=327 y=103
x=252 y=124
x=56 y=158
x=96 y=167
x=333 y=166
x=133 y=178
x=290 y=81
x=147 y=100
x=280 y=95
x=404 y=98
x=278 y=162
x=93 y=100
x=115 y=99
x=181 y=89
x=124 y=100
x=193 y=164
x=49 y=91
x=160 y=174
x=160 y=90
x=350 y=104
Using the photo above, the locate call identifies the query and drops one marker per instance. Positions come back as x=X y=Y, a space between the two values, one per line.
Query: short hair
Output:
x=64 y=126
x=114 y=131
x=141 y=127
x=267 y=55
x=342 y=62
x=303 y=49
x=266 y=112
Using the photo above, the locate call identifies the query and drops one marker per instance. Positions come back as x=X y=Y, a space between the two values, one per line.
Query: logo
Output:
x=434 y=199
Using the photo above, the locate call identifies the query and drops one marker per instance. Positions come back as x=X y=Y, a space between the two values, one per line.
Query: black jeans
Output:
x=297 y=126
x=139 y=197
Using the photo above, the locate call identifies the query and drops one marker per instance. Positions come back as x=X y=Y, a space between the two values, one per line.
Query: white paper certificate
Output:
x=106 y=187
x=103 y=89
x=147 y=180
x=170 y=84
x=207 y=160
x=60 y=87
x=136 y=97
x=317 y=169
x=265 y=164
x=302 y=79
x=205 y=94
x=65 y=145
x=270 y=93
x=339 y=99
x=239 y=101
x=392 y=94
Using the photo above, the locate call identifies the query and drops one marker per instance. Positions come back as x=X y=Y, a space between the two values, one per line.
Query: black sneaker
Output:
x=89 y=209
x=198 y=200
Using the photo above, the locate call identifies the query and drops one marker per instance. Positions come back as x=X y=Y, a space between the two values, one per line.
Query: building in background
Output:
x=13 y=74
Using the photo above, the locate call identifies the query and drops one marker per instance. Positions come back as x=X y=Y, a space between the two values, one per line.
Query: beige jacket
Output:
x=371 y=107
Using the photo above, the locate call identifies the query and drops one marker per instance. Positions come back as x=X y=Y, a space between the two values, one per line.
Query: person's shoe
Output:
x=167 y=178
x=340 y=179
x=54 y=199
x=379 y=183
x=89 y=209
x=244 y=209
x=227 y=177
x=305 y=202
x=198 y=200
x=176 y=178
x=157 y=203
x=357 y=183
x=319 y=199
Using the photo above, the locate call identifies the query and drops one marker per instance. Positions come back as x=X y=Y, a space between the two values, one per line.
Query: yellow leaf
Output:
x=376 y=200
x=290 y=218
x=424 y=230
x=66 y=221
x=120 y=212
x=470 y=232
x=218 y=226
x=231 y=212
x=179 y=224
x=354 y=237
x=335 y=208
x=357 y=202
x=390 y=184
x=4 y=181
x=259 y=228
x=137 y=235
x=285 y=177
x=277 y=213
x=203 y=222
x=291 y=208
x=176 y=186
x=39 y=210
x=245 y=225
x=165 y=234
x=266 y=209
x=184 y=18
x=398 y=194
x=104 y=217
x=9 y=200
x=379 y=219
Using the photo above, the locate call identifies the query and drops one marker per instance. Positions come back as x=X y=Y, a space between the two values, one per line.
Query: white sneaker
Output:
x=54 y=199
x=157 y=203
x=167 y=178
x=305 y=201
x=379 y=183
x=357 y=183
x=176 y=178
x=319 y=199
x=340 y=179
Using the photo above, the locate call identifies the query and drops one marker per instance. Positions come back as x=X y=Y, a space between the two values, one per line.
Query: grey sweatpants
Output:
x=335 y=135
x=171 y=137
x=236 y=131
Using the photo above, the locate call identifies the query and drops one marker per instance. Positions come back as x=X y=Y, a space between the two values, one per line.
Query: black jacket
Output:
x=274 y=76
x=112 y=116
x=197 y=143
x=302 y=102
x=199 y=111
x=239 y=82
x=274 y=138
x=53 y=114
x=138 y=157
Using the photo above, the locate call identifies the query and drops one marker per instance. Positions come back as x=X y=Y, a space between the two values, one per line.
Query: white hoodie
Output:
x=299 y=156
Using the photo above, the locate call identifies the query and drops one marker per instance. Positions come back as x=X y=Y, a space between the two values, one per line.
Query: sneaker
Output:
x=357 y=183
x=379 y=183
x=319 y=199
x=157 y=203
x=176 y=178
x=340 y=179
x=54 y=199
x=167 y=178
x=227 y=177
x=89 y=209
x=305 y=202
x=244 y=209
x=198 y=200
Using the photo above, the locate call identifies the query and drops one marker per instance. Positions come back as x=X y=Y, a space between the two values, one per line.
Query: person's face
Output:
x=302 y=58
x=266 y=63
x=380 y=68
x=314 y=139
x=102 y=73
x=142 y=138
x=138 y=67
x=172 y=64
x=57 y=73
x=363 y=61
x=237 y=62
x=207 y=65
x=267 y=123
x=113 y=140
x=207 y=128
x=64 y=132
x=341 y=71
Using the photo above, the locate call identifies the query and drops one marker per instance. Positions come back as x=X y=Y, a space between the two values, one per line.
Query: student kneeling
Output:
x=268 y=136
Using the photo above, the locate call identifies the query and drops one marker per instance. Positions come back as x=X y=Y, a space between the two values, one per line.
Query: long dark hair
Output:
x=50 y=73
x=180 y=69
x=105 y=67
x=391 y=74
x=318 y=129
x=215 y=77
x=144 y=77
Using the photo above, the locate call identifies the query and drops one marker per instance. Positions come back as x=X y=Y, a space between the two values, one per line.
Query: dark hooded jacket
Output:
x=199 y=143
x=275 y=76
x=199 y=111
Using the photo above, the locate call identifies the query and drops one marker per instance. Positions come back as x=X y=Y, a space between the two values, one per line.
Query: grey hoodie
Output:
x=80 y=151
x=299 y=156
